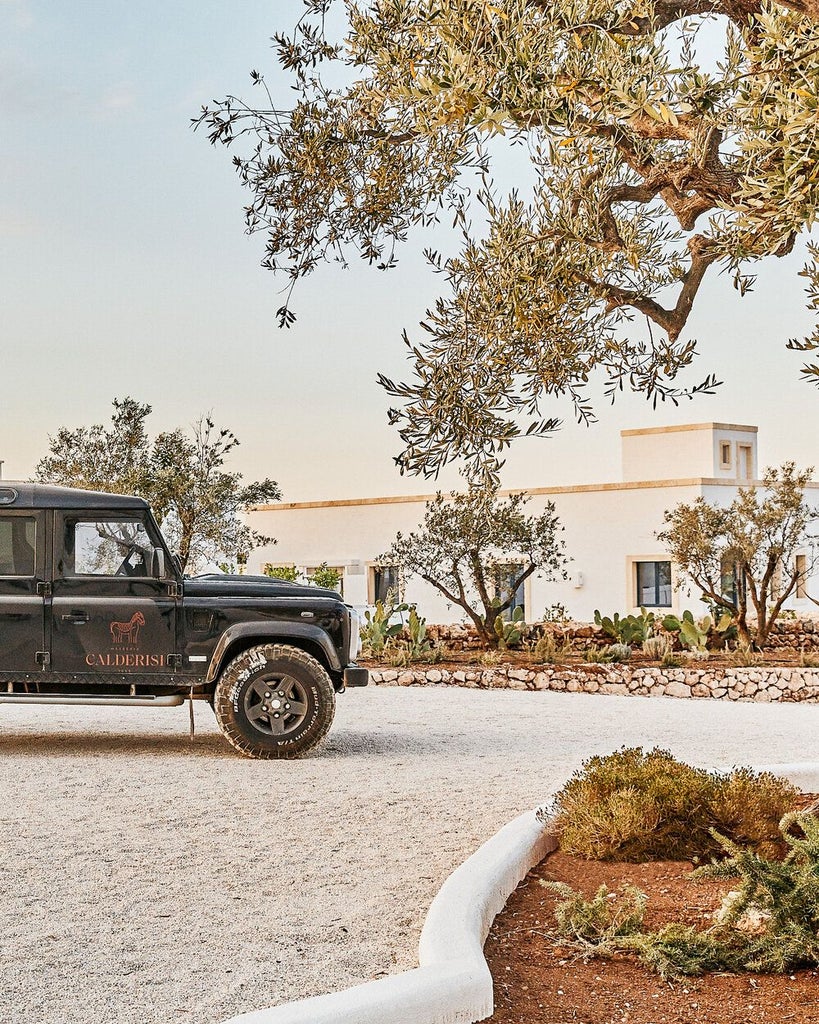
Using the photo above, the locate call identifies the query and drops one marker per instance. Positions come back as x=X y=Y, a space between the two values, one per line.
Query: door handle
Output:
x=79 y=618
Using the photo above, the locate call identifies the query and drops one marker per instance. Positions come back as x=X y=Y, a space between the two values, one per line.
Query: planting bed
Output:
x=540 y=979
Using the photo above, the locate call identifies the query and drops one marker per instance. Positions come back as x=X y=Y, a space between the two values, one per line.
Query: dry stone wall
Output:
x=796 y=634
x=744 y=684
x=800 y=634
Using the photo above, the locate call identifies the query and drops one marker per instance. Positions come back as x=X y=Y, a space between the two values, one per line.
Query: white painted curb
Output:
x=453 y=984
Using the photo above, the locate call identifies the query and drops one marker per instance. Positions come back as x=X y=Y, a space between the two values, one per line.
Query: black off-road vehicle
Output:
x=94 y=610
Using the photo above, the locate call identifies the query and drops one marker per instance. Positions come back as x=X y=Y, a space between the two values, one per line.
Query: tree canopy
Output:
x=667 y=140
x=180 y=474
x=743 y=557
x=477 y=550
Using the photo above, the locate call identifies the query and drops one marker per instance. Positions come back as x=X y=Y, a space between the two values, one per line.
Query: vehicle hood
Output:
x=222 y=585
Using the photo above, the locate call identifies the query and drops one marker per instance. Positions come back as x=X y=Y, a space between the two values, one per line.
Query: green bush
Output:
x=768 y=924
x=413 y=646
x=512 y=631
x=744 y=656
x=282 y=572
x=549 y=651
x=631 y=629
x=608 y=915
x=656 y=647
x=636 y=806
x=325 y=576
x=608 y=655
x=747 y=807
x=378 y=629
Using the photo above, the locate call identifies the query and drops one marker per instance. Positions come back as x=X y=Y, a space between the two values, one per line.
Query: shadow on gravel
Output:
x=346 y=742
x=84 y=745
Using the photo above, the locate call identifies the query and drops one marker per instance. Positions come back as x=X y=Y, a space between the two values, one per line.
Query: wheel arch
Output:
x=239 y=638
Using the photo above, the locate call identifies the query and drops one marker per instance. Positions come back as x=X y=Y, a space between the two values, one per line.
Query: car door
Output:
x=22 y=619
x=113 y=609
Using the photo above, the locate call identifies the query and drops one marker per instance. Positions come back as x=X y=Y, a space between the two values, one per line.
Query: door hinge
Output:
x=43 y=658
x=44 y=590
x=174 y=589
x=174 y=661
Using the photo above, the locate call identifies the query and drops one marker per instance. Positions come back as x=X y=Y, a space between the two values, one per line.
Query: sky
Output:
x=125 y=270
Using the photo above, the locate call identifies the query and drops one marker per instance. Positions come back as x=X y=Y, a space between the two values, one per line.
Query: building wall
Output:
x=608 y=528
x=724 y=451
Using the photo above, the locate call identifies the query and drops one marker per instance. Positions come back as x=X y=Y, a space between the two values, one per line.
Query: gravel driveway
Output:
x=143 y=879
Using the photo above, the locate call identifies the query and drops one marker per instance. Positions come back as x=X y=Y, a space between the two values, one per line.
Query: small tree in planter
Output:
x=743 y=556
x=467 y=541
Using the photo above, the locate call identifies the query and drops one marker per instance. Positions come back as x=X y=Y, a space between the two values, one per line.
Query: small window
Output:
x=653 y=584
x=505 y=576
x=383 y=583
x=106 y=547
x=17 y=545
x=725 y=455
x=801 y=578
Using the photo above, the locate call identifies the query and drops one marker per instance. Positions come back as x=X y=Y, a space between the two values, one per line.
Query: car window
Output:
x=17 y=545
x=106 y=547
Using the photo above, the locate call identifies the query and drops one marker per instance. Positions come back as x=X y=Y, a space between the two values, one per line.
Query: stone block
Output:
x=607 y=687
x=677 y=689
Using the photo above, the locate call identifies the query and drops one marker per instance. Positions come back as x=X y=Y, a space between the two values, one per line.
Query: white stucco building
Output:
x=616 y=562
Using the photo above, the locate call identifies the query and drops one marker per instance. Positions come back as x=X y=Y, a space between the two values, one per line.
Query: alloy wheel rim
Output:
x=275 y=704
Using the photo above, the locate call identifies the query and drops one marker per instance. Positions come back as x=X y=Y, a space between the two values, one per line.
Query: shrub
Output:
x=631 y=629
x=282 y=572
x=607 y=655
x=636 y=806
x=746 y=804
x=619 y=652
x=547 y=651
x=325 y=576
x=378 y=629
x=512 y=631
x=608 y=915
x=695 y=655
x=557 y=614
x=692 y=634
x=744 y=656
x=768 y=924
x=413 y=644
x=808 y=660
x=656 y=647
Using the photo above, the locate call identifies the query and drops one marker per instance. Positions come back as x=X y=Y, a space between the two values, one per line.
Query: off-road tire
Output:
x=295 y=716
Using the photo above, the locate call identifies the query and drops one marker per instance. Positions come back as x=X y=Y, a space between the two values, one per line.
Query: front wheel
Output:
x=274 y=701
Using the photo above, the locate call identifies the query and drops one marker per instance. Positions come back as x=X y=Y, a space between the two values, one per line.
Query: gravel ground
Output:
x=144 y=879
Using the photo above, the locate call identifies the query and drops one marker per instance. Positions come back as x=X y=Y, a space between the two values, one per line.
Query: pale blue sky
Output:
x=125 y=270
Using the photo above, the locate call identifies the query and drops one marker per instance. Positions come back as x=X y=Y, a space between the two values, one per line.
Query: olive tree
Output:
x=181 y=474
x=667 y=139
x=467 y=541
x=743 y=556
